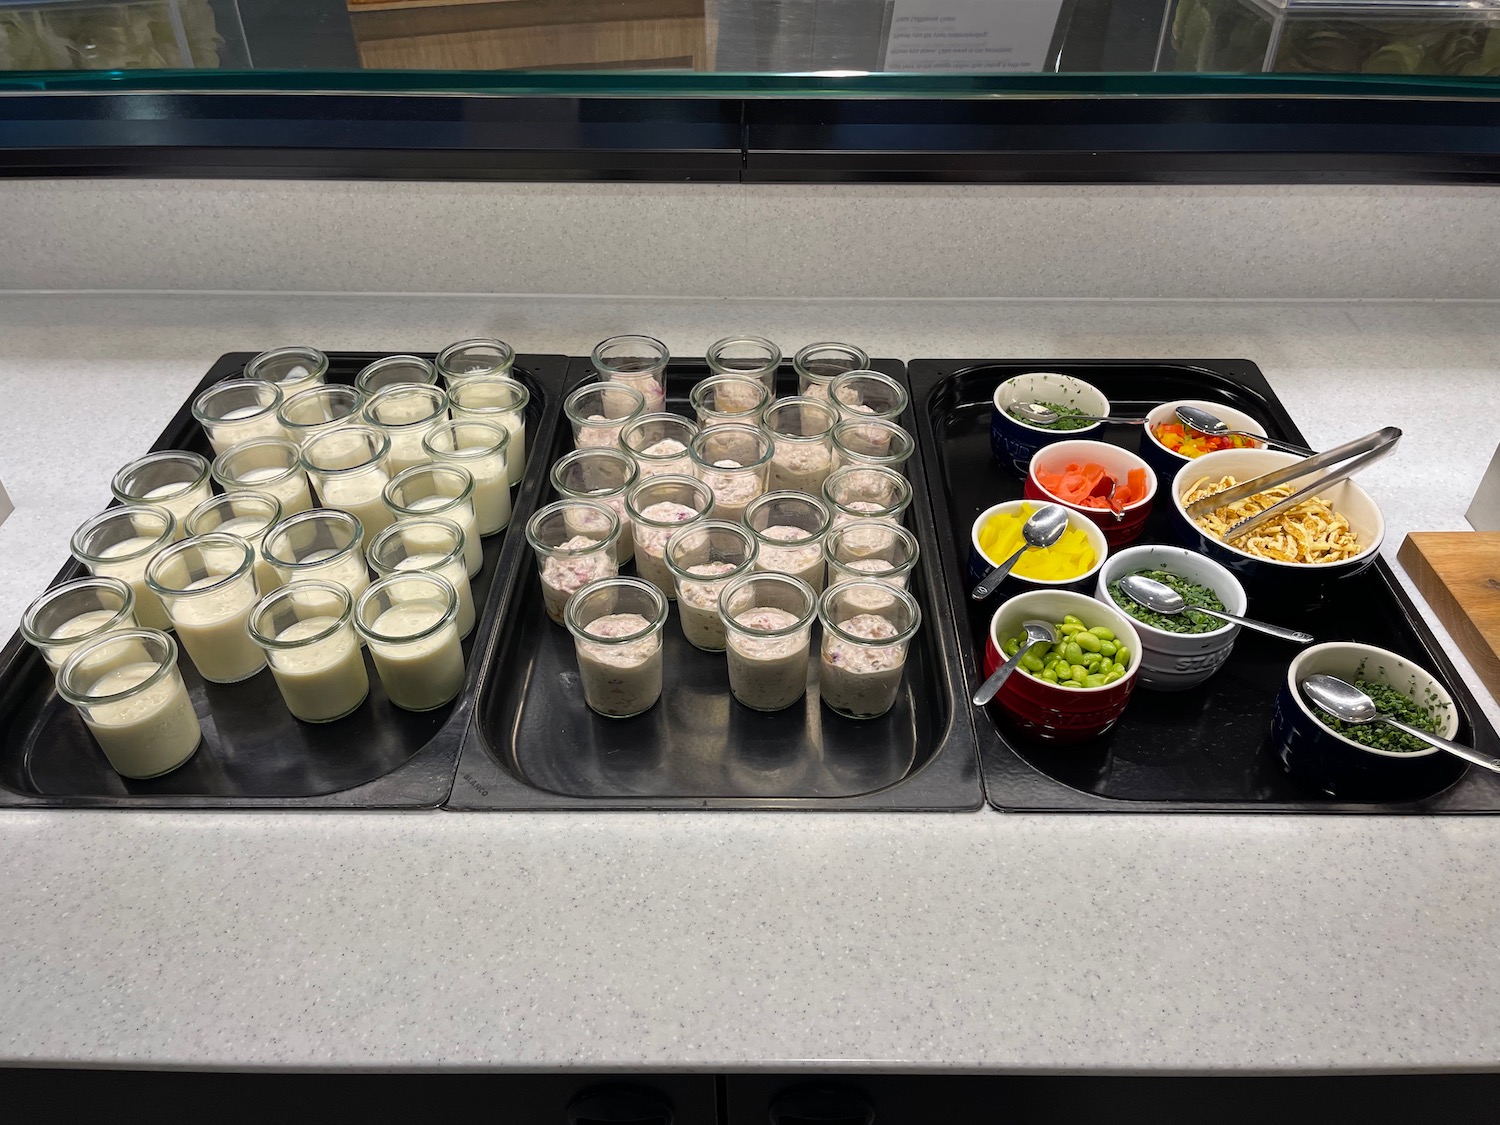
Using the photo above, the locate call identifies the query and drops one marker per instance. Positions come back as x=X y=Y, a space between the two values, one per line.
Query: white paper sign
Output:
x=970 y=35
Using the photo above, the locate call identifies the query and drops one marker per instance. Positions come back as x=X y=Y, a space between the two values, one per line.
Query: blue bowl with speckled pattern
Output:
x=1013 y=442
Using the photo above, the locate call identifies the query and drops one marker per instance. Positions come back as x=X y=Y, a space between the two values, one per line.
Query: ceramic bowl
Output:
x=1118 y=463
x=980 y=564
x=1163 y=460
x=1013 y=442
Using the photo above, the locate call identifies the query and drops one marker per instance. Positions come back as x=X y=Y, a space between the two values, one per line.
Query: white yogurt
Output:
x=423 y=674
x=698 y=606
x=768 y=673
x=214 y=628
x=349 y=571
x=651 y=542
x=799 y=466
x=148 y=608
x=149 y=734
x=624 y=679
x=463 y=515
x=455 y=573
x=175 y=500
x=803 y=559
x=78 y=626
x=252 y=529
x=291 y=491
x=323 y=680
x=861 y=681
x=732 y=491
x=362 y=496
x=491 y=495
x=237 y=425
x=564 y=576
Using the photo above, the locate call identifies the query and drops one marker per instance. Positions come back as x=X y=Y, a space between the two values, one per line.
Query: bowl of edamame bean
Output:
x=1181 y=651
x=1076 y=689
x=1373 y=762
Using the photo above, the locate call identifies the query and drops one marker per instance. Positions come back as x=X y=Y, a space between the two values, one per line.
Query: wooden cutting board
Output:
x=1458 y=573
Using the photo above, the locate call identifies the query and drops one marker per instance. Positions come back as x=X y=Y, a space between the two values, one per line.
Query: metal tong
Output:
x=1342 y=462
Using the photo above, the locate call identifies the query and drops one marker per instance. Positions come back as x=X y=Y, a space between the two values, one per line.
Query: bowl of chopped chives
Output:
x=1372 y=762
x=1014 y=442
x=1181 y=651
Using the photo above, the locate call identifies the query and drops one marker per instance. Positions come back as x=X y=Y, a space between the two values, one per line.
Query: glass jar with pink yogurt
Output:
x=574 y=542
x=734 y=461
x=768 y=629
x=636 y=361
x=789 y=529
x=870 y=550
x=867 y=629
x=658 y=507
x=603 y=475
x=617 y=637
x=705 y=557
x=599 y=411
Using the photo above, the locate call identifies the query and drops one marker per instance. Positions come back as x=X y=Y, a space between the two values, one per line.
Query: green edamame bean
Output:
x=1122 y=656
x=1074 y=653
x=1069 y=630
x=1103 y=632
x=1079 y=671
x=1050 y=675
x=1031 y=662
x=1086 y=641
x=1071 y=683
x=1111 y=676
x=1107 y=648
x=1069 y=619
x=1093 y=681
x=1118 y=667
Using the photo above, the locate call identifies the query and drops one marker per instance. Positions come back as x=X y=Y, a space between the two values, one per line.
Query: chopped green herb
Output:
x=1192 y=593
x=1068 y=418
x=1388 y=701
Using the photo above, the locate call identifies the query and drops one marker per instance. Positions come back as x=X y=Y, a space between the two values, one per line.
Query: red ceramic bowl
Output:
x=1044 y=711
x=1118 y=463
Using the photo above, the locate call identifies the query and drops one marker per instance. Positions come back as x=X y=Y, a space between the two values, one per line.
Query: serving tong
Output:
x=1342 y=462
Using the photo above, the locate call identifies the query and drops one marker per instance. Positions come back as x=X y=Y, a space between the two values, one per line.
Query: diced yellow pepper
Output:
x=1069 y=557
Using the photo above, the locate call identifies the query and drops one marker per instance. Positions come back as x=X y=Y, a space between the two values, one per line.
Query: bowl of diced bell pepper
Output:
x=1077 y=474
x=1169 y=444
x=1069 y=564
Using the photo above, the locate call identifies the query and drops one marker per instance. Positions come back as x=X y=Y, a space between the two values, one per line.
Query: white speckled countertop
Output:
x=735 y=941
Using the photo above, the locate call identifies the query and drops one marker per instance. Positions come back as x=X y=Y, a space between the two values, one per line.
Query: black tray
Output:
x=254 y=753
x=534 y=745
x=1202 y=750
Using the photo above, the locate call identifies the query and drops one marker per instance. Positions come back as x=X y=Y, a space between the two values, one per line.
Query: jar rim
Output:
x=164 y=667
x=290 y=590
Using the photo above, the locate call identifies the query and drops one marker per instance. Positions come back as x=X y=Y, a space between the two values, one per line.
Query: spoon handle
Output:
x=1457 y=749
x=1275 y=443
x=1261 y=626
x=991 y=687
x=990 y=581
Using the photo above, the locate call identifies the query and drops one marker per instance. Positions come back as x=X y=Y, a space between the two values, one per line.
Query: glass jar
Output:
x=637 y=361
x=861 y=492
x=501 y=402
x=802 y=429
x=768 y=633
x=247 y=515
x=175 y=479
x=617 y=625
x=269 y=465
x=128 y=689
x=120 y=543
x=574 y=542
x=789 y=529
x=721 y=399
x=322 y=544
x=319 y=409
x=599 y=411
x=659 y=444
x=817 y=365
x=348 y=469
x=867 y=629
x=428 y=543
x=207 y=584
x=392 y=371
x=483 y=449
x=406 y=414
x=237 y=410
x=408 y=620
x=734 y=461
x=293 y=369
x=705 y=557
x=871 y=551
x=860 y=395
x=307 y=632
x=81 y=610
x=658 y=507
x=603 y=475
x=754 y=356
x=470 y=359
x=871 y=443
x=439 y=490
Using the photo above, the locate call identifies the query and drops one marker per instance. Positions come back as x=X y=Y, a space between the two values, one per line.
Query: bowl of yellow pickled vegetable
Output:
x=1069 y=564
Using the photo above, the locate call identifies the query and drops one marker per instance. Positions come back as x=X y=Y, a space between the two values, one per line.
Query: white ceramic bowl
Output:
x=1014 y=442
x=981 y=564
x=1164 y=460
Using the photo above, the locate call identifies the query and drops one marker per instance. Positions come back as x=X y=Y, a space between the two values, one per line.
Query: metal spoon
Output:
x=1036 y=633
x=1196 y=418
x=1039 y=415
x=1044 y=528
x=1108 y=493
x=1161 y=598
x=1344 y=701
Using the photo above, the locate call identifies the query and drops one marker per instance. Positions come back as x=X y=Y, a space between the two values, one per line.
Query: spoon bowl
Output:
x=1158 y=597
x=1043 y=528
x=1349 y=704
x=1206 y=422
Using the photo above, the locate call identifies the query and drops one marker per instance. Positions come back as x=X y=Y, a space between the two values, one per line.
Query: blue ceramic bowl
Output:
x=1323 y=760
x=1163 y=460
x=1014 y=442
x=979 y=565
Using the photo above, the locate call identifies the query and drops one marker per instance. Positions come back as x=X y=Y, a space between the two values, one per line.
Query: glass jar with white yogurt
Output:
x=703 y=558
x=174 y=478
x=867 y=629
x=617 y=636
x=439 y=490
x=866 y=492
x=637 y=361
x=248 y=515
x=871 y=550
x=871 y=443
x=82 y=610
x=473 y=359
x=599 y=411
x=237 y=410
x=269 y=465
x=604 y=475
x=789 y=529
x=802 y=429
x=324 y=544
x=408 y=620
x=734 y=461
x=722 y=399
x=394 y=370
x=818 y=365
x=430 y=543
x=207 y=584
x=120 y=543
x=659 y=444
x=501 y=402
x=307 y=632
x=326 y=406
x=406 y=413
x=754 y=356
x=574 y=542
x=768 y=631
x=868 y=396
x=293 y=369
x=658 y=508
x=128 y=689
x=484 y=450
x=348 y=469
